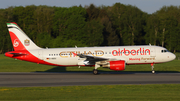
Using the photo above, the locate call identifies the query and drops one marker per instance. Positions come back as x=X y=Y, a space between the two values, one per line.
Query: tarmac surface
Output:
x=84 y=78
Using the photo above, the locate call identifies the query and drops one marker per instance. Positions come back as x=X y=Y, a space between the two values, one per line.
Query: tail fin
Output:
x=19 y=39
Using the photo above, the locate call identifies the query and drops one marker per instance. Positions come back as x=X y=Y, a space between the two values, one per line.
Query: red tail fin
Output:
x=16 y=42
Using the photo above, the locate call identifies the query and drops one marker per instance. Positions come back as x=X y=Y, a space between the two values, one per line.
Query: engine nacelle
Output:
x=116 y=65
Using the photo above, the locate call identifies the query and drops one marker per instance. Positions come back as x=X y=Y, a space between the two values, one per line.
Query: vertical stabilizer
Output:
x=20 y=40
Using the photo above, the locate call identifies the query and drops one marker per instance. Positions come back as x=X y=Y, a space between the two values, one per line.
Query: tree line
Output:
x=115 y=25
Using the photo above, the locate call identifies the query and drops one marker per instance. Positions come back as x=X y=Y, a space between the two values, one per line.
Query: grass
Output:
x=160 y=92
x=11 y=65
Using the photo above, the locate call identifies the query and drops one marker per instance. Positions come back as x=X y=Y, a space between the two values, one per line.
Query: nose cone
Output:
x=173 y=56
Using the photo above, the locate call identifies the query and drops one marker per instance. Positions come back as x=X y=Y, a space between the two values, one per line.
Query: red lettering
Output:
x=134 y=59
x=119 y=51
x=142 y=52
x=133 y=52
x=137 y=51
x=114 y=52
x=128 y=52
x=147 y=50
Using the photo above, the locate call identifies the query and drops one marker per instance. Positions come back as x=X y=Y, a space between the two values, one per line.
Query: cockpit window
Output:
x=164 y=51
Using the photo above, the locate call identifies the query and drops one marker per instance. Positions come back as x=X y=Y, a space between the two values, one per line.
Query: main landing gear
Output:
x=95 y=71
x=152 y=67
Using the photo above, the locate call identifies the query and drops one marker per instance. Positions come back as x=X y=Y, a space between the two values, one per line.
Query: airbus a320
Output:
x=112 y=57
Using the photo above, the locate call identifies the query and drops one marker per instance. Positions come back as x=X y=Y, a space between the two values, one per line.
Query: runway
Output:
x=84 y=78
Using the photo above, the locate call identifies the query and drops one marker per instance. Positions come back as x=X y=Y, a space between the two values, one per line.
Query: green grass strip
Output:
x=160 y=92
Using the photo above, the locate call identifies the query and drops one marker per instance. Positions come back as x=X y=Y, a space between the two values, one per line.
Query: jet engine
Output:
x=116 y=65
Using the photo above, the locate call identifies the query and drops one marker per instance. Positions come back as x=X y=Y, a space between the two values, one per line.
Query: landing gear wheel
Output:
x=152 y=67
x=95 y=71
x=153 y=72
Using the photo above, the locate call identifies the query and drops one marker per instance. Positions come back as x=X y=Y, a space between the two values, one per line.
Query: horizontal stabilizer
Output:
x=12 y=54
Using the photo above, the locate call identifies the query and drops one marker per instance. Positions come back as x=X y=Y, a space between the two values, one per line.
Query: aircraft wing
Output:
x=92 y=58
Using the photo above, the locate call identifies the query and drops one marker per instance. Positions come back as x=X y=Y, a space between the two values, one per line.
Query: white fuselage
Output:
x=131 y=54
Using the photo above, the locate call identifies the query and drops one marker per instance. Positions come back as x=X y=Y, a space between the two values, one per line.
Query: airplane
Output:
x=112 y=57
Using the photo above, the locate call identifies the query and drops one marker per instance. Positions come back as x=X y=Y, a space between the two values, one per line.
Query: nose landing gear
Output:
x=152 y=67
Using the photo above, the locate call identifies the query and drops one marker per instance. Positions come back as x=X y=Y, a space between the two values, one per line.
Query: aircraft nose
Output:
x=173 y=56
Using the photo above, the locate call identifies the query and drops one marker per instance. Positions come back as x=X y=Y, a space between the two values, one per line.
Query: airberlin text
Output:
x=140 y=51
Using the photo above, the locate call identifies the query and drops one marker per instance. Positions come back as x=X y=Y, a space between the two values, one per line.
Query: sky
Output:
x=149 y=6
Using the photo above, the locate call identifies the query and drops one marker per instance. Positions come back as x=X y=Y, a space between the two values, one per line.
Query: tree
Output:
x=129 y=21
x=168 y=17
x=152 y=30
